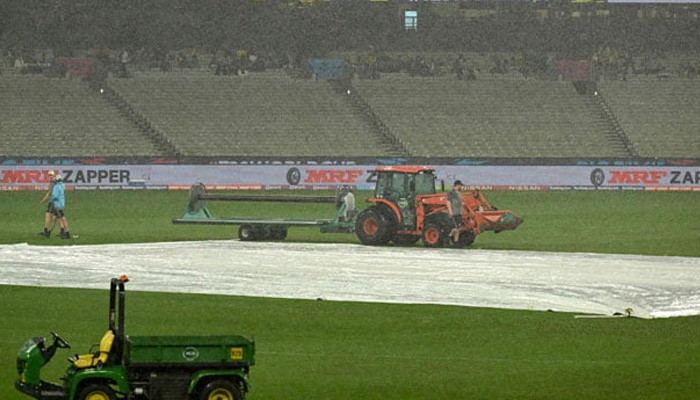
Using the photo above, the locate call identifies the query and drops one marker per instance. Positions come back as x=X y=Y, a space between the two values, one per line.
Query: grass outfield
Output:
x=601 y=222
x=335 y=350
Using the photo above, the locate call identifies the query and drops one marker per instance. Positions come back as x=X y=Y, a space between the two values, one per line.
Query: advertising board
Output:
x=181 y=177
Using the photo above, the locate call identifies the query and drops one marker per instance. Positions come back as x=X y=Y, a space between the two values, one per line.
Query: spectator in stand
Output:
x=123 y=60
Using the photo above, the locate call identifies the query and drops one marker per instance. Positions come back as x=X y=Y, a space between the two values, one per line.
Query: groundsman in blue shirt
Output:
x=58 y=199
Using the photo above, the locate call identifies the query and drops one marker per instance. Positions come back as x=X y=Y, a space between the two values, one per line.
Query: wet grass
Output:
x=338 y=350
x=626 y=222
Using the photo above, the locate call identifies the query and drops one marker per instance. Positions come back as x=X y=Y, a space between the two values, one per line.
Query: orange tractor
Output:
x=405 y=208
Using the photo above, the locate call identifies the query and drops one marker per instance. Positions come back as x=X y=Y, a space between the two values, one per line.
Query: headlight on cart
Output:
x=21 y=368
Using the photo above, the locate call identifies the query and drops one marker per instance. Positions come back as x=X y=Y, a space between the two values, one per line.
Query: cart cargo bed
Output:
x=223 y=351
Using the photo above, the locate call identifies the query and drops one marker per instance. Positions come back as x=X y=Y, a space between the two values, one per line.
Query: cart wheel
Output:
x=247 y=233
x=96 y=391
x=221 y=389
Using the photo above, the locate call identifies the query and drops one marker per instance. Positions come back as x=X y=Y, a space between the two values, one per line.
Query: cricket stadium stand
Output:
x=192 y=112
x=259 y=114
x=494 y=116
x=660 y=115
x=64 y=118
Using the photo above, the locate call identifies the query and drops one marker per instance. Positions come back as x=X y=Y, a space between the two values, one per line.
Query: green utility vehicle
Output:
x=140 y=367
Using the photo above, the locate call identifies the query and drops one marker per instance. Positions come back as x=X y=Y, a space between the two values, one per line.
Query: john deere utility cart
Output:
x=140 y=367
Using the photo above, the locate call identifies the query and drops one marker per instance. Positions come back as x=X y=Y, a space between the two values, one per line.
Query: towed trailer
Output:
x=249 y=228
x=404 y=209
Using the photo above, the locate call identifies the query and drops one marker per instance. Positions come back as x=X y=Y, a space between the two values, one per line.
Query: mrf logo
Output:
x=323 y=176
x=636 y=177
x=25 y=176
x=644 y=177
x=628 y=177
x=90 y=176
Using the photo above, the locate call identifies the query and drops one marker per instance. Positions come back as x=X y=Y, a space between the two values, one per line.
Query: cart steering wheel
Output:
x=61 y=342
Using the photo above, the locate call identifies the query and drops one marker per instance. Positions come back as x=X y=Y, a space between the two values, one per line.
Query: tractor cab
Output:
x=399 y=186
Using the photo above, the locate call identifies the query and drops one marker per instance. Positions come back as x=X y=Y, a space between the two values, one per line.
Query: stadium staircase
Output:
x=393 y=145
x=143 y=124
x=608 y=124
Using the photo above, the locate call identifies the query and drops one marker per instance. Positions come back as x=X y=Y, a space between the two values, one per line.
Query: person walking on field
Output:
x=455 y=207
x=49 y=220
x=58 y=198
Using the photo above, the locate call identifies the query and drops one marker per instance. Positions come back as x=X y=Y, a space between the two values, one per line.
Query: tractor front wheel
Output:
x=372 y=228
x=220 y=389
x=433 y=235
x=436 y=231
x=96 y=391
x=465 y=239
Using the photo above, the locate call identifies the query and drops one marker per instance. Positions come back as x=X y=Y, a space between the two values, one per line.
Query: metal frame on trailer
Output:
x=262 y=228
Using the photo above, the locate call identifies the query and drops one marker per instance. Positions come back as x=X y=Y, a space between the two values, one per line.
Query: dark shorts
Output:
x=49 y=208
x=58 y=213
x=457 y=219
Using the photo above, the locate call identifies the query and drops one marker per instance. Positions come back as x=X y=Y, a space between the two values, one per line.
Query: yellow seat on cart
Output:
x=97 y=358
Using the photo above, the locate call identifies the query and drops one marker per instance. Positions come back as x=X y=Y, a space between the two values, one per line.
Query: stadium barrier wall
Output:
x=181 y=177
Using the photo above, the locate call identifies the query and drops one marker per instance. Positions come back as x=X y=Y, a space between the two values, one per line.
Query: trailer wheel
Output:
x=220 y=389
x=96 y=391
x=372 y=228
x=247 y=233
x=278 y=232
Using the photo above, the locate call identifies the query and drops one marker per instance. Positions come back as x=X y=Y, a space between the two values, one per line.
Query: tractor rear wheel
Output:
x=372 y=228
x=96 y=391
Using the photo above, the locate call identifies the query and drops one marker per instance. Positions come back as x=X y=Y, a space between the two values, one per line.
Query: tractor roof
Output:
x=407 y=169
